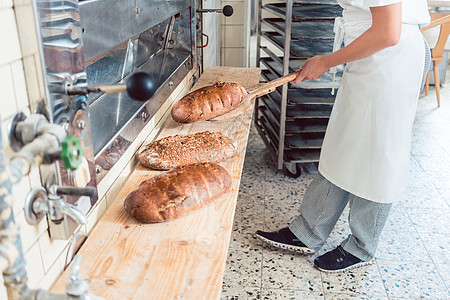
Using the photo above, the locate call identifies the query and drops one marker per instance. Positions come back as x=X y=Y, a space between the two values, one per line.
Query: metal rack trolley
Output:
x=292 y=120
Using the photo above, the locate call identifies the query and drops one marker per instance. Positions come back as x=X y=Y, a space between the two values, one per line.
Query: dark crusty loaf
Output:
x=177 y=192
x=208 y=102
x=184 y=149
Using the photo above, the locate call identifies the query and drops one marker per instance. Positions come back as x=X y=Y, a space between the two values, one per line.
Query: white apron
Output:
x=366 y=150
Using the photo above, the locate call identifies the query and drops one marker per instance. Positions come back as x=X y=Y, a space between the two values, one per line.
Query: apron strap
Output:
x=427 y=63
x=338 y=40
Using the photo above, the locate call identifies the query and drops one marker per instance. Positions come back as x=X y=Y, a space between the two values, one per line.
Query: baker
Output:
x=366 y=150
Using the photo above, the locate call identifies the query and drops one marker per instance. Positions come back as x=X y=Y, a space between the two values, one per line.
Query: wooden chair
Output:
x=437 y=53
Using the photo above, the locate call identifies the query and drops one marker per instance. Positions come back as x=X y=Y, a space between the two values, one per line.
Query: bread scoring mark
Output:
x=217 y=174
x=205 y=180
x=192 y=184
x=186 y=118
x=172 y=203
x=211 y=106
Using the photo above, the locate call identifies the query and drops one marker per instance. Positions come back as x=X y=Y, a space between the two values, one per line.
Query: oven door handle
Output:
x=207 y=41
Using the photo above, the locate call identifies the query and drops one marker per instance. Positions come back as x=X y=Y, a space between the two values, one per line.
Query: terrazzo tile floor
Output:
x=413 y=256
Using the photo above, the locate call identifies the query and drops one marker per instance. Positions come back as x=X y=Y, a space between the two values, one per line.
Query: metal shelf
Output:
x=310 y=96
x=303 y=96
x=319 y=29
x=303 y=48
x=306 y=150
x=270 y=140
x=313 y=2
x=302 y=12
x=293 y=128
x=305 y=126
x=303 y=111
x=305 y=140
x=277 y=69
x=272 y=55
x=324 y=82
x=270 y=104
x=290 y=155
x=269 y=128
x=302 y=156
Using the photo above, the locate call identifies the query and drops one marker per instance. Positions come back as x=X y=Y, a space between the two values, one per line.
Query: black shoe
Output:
x=338 y=260
x=284 y=239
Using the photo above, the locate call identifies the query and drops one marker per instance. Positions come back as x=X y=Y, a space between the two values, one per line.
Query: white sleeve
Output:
x=375 y=3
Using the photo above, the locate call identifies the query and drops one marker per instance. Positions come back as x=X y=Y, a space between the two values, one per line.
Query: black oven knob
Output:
x=228 y=10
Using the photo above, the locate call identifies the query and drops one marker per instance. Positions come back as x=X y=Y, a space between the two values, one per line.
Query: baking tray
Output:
x=313 y=2
x=270 y=104
x=318 y=125
x=310 y=96
x=269 y=116
x=270 y=129
x=297 y=112
x=270 y=133
x=265 y=138
x=302 y=155
x=304 y=126
x=317 y=29
x=312 y=140
x=270 y=138
x=303 y=110
x=289 y=155
x=301 y=95
x=301 y=147
x=323 y=82
x=302 y=12
x=303 y=48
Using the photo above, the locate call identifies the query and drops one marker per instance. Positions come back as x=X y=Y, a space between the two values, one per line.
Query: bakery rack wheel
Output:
x=297 y=172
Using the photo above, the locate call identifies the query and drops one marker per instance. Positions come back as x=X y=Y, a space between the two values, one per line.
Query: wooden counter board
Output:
x=179 y=259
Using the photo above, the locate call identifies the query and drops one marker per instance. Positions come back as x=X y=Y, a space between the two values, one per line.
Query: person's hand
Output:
x=313 y=68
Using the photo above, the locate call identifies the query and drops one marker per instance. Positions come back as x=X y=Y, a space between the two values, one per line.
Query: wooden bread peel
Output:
x=254 y=92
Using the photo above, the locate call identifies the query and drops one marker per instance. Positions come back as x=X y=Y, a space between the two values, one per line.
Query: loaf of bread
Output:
x=177 y=192
x=184 y=149
x=208 y=102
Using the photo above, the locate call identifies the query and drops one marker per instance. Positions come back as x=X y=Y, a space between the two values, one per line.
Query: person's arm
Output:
x=384 y=32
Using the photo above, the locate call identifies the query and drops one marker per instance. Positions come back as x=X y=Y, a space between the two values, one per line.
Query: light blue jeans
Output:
x=320 y=210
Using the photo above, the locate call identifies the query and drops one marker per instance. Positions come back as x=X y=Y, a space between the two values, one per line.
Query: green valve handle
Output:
x=71 y=152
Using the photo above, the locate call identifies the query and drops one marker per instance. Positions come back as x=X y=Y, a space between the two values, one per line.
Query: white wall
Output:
x=233 y=35
x=211 y=25
x=20 y=83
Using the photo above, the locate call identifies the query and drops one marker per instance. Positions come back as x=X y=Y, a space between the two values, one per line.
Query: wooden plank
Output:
x=179 y=259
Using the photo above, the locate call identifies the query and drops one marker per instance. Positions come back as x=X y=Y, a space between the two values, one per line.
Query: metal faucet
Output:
x=77 y=286
x=58 y=207
x=38 y=203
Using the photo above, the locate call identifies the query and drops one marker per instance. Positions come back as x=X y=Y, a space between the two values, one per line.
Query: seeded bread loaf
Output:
x=184 y=149
x=177 y=192
x=208 y=102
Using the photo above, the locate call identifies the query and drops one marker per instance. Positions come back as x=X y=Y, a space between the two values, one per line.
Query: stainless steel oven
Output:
x=97 y=42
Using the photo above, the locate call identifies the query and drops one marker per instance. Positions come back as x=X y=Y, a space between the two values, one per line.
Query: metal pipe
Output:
x=12 y=261
x=11 y=254
x=43 y=136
